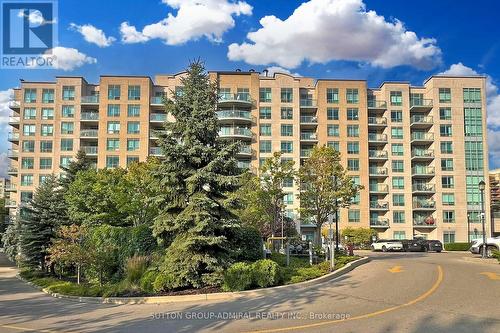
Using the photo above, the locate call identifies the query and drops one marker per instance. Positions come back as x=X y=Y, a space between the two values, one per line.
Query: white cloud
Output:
x=93 y=35
x=271 y=70
x=194 y=19
x=67 y=58
x=494 y=147
x=320 y=31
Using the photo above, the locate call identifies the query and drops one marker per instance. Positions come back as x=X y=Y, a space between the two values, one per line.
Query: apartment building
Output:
x=419 y=152
x=3 y=184
x=495 y=201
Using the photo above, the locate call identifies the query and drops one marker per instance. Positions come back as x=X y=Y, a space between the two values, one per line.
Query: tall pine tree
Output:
x=81 y=163
x=195 y=175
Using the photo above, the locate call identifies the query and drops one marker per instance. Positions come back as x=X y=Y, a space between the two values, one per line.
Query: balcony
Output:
x=374 y=104
x=418 y=121
x=308 y=120
x=420 y=104
x=158 y=117
x=235 y=132
x=379 y=205
x=89 y=116
x=15 y=105
x=13 y=137
x=427 y=204
x=424 y=222
x=89 y=150
x=377 y=155
x=155 y=151
x=305 y=153
x=13 y=153
x=426 y=171
x=422 y=137
x=90 y=100
x=423 y=188
x=379 y=222
x=243 y=99
x=243 y=165
x=245 y=151
x=14 y=121
x=10 y=188
x=12 y=171
x=89 y=133
x=308 y=136
x=378 y=171
x=156 y=101
x=10 y=204
x=422 y=154
x=377 y=138
x=234 y=115
x=377 y=121
x=379 y=189
x=308 y=103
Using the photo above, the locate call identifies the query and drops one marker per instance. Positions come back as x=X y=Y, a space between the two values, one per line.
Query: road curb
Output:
x=479 y=260
x=203 y=297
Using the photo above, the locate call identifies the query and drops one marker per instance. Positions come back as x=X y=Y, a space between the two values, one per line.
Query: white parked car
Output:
x=387 y=245
x=491 y=245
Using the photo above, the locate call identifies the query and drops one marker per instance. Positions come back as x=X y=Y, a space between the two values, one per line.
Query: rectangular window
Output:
x=113 y=127
x=46 y=146
x=113 y=144
x=68 y=93
x=179 y=92
x=265 y=95
x=398 y=183
x=445 y=113
x=472 y=190
x=356 y=199
x=134 y=93
x=449 y=216
x=396 y=98
x=474 y=155
x=448 y=199
x=265 y=113
x=354 y=216
x=265 y=130
x=397 y=149
x=47 y=96
x=445 y=130
x=47 y=114
x=397 y=116
x=286 y=146
x=66 y=144
x=132 y=144
x=353 y=131
x=42 y=179
x=47 y=130
x=67 y=128
x=397 y=166
x=352 y=96
x=444 y=95
x=113 y=110
x=288 y=199
x=287 y=130
x=114 y=92
x=133 y=110
x=332 y=114
x=397 y=132
x=287 y=113
x=332 y=130
x=286 y=95
x=288 y=182
x=332 y=95
x=399 y=235
x=353 y=147
x=29 y=95
x=398 y=200
x=353 y=164
x=333 y=144
x=27 y=163
x=26 y=180
x=448 y=237
x=28 y=146
x=112 y=162
x=68 y=111
x=29 y=113
x=46 y=163
x=447 y=182
x=446 y=147
x=29 y=130
x=352 y=114
x=447 y=164
x=265 y=146
x=26 y=197
x=133 y=127
x=472 y=95
x=132 y=159
x=398 y=216
x=64 y=161
x=473 y=122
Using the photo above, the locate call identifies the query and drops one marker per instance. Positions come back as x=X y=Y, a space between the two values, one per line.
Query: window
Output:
x=353 y=131
x=472 y=189
x=47 y=114
x=265 y=113
x=333 y=144
x=397 y=166
x=446 y=147
x=398 y=200
x=47 y=95
x=47 y=130
x=243 y=94
x=398 y=183
x=113 y=144
x=448 y=199
x=472 y=95
x=46 y=146
x=444 y=95
x=447 y=182
x=352 y=96
x=352 y=114
x=46 y=163
x=26 y=197
x=447 y=164
x=448 y=237
x=356 y=199
x=473 y=122
x=354 y=215
x=29 y=113
x=397 y=116
x=133 y=110
x=26 y=180
x=68 y=111
x=67 y=128
x=332 y=130
x=113 y=127
x=66 y=144
x=353 y=147
x=28 y=146
x=332 y=95
x=287 y=130
x=265 y=130
x=42 y=179
x=396 y=98
x=68 y=93
x=288 y=199
x=29 y=95
x=114 y=92
x=286 y=95
x=133 y=127
x=134 y=93
x=113 y=110
x=27 y=163
x=356 y=180
x=265 y=95
x=132 y=159
x=288 y=182
x=353 y=164
x=132 y=144
x=398 y=216
x=399 y=235
x=445 y=113
x=397 y=149
x=286 y=146
x=332 y=114
x=179 y=91
x=112 y=161
x=445 y=130
x=397 y=132
x=287 y=113
x=474 y=155
x=29 y=130
x=265 y=146
x=449 y=216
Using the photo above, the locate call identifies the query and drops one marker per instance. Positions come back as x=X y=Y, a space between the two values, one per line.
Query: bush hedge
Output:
x=266 y=273
x=238 y=277
x=456 y=246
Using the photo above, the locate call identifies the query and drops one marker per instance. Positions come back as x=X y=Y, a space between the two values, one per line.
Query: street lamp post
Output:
x=468 y=227
x=482 y=186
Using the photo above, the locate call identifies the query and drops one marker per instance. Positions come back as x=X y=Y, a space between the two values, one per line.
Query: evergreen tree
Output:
x=80 y=163
x=10 y=239
x=195 y=175
x=40 y=220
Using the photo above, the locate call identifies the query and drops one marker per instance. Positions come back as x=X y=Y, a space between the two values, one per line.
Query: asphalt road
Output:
x=394 y=292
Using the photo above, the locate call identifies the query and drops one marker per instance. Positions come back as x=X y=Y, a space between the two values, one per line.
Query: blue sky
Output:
x=329 y=41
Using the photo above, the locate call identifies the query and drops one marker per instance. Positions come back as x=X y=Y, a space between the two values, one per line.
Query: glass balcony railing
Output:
x=379 y=222
x=425 y=204
x=378 y=171
x=308 y=136
x=235 y=131
x=375 y=104
x=89 y=150
x=156 y=100
x=421 y=120
x=89 y=133
x=305 y=152
x=90 y=99
x=422 y=153
x=423 y=187
x=384 y=188
x=377 y=137
x=155 y=151
x=307 y=102
x=158 y=117
x=427 y=170
x=234 y=114
x=12 y=171
x=420 y=102
x=308 y=119
x=238 y=97
x=246 y=150
x=243 y=165
x=14 y=120
x=13 y=136
x=89 y=116
x=377 y=121
x=379 y=204
x=12 y=153
x=10 y=203
x=377 y=154
x=10 y=188
x=424 y=221
x=421 y=136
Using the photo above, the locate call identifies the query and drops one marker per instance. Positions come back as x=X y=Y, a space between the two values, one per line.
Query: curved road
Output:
x=394 y=292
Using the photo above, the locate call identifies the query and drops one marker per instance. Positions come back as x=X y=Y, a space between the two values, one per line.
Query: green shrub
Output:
x=116 y=289
x=456 y=246
x=496 y=254
x=147 y=280
x=266 y=273
x=306 y=273
x=247 y=244
x=135 y=268
x=238 y=277
x=164 y=282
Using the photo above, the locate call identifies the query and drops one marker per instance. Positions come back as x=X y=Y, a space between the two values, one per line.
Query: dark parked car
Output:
x=415 y=245
x=434 y=245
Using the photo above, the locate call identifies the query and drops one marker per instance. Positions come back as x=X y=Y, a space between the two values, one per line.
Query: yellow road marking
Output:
x=491 y=275
x=20 y=328
x=396 y=269
x=367 y=315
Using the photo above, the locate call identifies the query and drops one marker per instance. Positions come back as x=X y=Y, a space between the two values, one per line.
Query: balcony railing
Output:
x=155 y=151
x=375 y=104
x=14 y=120
x=14 y=104
x=90 y=99
x=12 y=171
x=377 y=154
x=305 y=152
x=377 y=137
x=246 y=150
x=422 y=153
x=420 y=102
x=158 y=117
x=10 y=188
x=156 y=100
x=89 y=116
x=421 y=120
x=424 y=221
x=89 y=150
x=379 y=222
x=307 y=102
x=308 y=136
x=379 y=204
x=13 y=136
x=423 y=188
x=308 y=119
x=243 y=165
x=378 y=171
x=12 y=153
x=425 y=204
x=239 y=97
x=377 y=121
x=422 y=171
x=234 y=114
x=10 y=203
x=235 y=131
x=379 y=188
x=419 y=136
x=89 y=133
